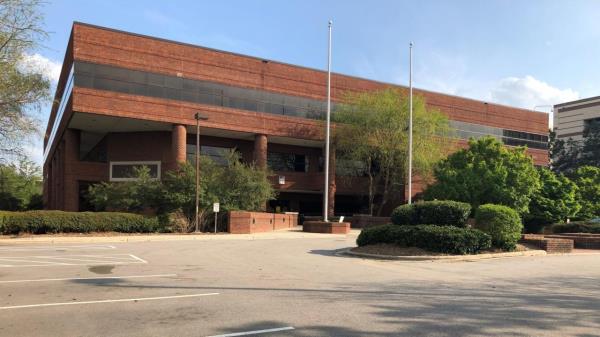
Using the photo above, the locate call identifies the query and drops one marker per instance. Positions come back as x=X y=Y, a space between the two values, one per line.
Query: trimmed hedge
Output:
x=437 y=212
x=42 y=222
x=441 y=239
x=502 y=223
x=576 y=227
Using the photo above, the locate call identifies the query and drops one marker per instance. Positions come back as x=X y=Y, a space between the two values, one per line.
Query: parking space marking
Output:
x=69 y=260
x=255 y=332
x=89 y=278
x=55 y=304
x=39 y=248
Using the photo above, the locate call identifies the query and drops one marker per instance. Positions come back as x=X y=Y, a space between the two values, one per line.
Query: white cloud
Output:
x=528 y=92
x=36 y=62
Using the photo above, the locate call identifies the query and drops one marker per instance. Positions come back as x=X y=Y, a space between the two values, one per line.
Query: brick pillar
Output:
x=178 y=144
x=260 y=151
x=46 y=186
x=70 y=159
x=332 y=185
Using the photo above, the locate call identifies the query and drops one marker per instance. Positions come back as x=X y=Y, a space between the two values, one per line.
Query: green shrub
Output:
x=502 y=223
x=576 y=227
x=42 y=222
x=403 y=215
x=441 y=239
x=437 y=212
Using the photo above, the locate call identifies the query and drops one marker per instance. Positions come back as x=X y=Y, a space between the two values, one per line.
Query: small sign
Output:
x=341 y=219
x=216 y=207
x=281 y=180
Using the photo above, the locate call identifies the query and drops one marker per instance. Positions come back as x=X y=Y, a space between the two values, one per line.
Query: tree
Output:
x=22 y=90
x=590 y=150
x=236 y=186
x=563 y=155
x=371 y=139
x=20 y=186
x=486 y=172
x=130 y=196
x=566 y=157
x=555 y=201
x=587 y=179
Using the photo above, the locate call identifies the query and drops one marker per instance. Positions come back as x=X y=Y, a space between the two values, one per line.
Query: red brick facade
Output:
x=167 y=126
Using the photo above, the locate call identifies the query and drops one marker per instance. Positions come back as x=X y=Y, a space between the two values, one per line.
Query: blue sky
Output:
x=521 y=53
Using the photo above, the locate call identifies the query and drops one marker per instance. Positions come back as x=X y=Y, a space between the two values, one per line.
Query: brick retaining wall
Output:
x=550 y=245
x=326 y=227
x=366 y=221
x=241 y=222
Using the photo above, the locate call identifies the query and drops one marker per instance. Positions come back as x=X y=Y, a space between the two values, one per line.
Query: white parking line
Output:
x=69 y=260
x=104 y=301
x=37 y=248
x=88 y=278
x=255 y=332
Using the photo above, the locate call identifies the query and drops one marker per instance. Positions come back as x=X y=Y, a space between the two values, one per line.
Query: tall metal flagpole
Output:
x=410 y=126
x=326 y=190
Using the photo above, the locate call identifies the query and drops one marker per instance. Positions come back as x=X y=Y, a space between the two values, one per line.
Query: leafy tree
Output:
x=22 y=89
x=236 y=186
x=130 y=196
x=587 y=179
x=567 y=156
x=590 y=150
x=555 y=201
x=372 y=135
x=486 y=172
x=20 y=186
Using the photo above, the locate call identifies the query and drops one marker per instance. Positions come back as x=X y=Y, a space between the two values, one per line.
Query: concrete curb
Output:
x=164 y=237
x=485 y=256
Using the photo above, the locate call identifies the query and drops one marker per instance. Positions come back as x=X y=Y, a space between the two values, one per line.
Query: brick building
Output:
x=125 y=99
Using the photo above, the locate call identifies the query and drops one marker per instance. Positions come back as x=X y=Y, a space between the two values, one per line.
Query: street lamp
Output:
x=198 y=117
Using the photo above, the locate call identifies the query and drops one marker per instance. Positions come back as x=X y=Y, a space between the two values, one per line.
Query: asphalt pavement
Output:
x=286 y=286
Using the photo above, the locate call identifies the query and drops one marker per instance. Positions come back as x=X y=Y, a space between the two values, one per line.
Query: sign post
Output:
x=216 y=211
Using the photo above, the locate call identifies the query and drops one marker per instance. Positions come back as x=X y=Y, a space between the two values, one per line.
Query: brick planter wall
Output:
x=550 y=245
x=366 y=221
x=241 y=222
x=581 y=240
x=326 y=227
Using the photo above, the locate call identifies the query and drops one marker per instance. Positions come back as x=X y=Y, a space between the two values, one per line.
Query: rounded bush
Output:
x=436 y=212
x=42 y=222
x=403 y=215
x=441 y=239
x=502 y=223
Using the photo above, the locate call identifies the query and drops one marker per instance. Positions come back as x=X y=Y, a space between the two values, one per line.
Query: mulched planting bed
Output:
x=394 y=250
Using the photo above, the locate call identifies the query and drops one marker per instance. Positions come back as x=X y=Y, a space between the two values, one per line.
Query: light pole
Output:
x=326 y=190
x=198 y=117
x=410 y=125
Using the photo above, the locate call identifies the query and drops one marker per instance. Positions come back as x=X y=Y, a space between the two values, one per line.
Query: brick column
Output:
x=70 y=159
x=260 y=151
x=332 y=185
x=178 y=145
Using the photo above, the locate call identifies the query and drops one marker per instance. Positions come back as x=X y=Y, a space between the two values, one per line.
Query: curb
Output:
x=349 y=252
x=164 y=237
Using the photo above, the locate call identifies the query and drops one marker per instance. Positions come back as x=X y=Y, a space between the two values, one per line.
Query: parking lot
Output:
x=286 y=286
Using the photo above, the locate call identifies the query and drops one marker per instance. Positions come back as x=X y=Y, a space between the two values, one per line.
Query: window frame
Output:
x=141 y=163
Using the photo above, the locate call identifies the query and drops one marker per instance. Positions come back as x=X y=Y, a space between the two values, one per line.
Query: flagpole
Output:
x=410 y=126
x=326 y=189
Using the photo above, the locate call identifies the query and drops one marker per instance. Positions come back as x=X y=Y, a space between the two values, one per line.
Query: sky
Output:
x=528 y=54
